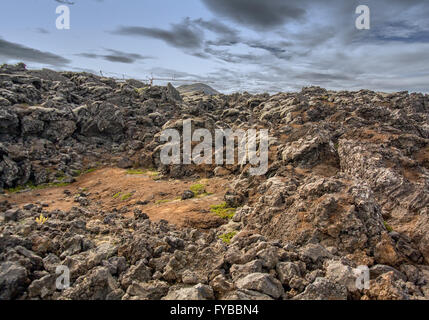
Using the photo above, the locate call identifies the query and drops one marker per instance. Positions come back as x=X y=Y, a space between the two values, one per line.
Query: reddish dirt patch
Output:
x=113 y=188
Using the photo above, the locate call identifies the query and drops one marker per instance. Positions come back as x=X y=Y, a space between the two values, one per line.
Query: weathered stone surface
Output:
x=197 y=292
x=13 y=278
x=323 y=289
x=261 y=282
x=346 y=186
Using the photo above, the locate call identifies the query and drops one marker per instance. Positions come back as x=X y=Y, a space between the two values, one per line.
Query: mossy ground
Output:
x=31 y=186
x=223 y=211
x=227 y=237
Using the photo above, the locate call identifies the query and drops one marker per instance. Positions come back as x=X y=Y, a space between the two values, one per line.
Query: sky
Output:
x=232 y=45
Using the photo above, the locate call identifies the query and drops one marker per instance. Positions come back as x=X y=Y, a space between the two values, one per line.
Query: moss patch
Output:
x=31 y=186
x=227 y=237
x=387 y=226
x=199 y=190
x=135 y=171
x=127 y=196
x=222 y=210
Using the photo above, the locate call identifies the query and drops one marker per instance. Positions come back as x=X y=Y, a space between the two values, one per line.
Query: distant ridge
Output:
x=197 y=87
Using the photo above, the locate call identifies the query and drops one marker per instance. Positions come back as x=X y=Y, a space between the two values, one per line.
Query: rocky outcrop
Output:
x=347 y=186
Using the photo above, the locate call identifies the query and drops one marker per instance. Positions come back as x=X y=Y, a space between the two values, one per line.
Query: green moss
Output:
x=198 y=189
x=162 y=201
x=140 y=91
x=31 y=186
x=76 y=173
x=227 y=237
x=135 y=171
x=18 y=189
x=125 y=197
x=90 y=170
x=222 y=210
x=152 y=173
x=387 y=226
x=205 y=194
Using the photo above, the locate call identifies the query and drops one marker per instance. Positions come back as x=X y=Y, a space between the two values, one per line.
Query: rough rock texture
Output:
x=347 y=186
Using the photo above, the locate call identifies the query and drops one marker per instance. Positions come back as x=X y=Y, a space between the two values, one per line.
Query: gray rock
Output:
x=314 y=253
x=287 y=271
x=11 y=215
x=261 y=282
x=153 y=290
x=43 y=287
x=96 y=285
x=380 y=269
x=323 y=289
x=13 y=280
x=239 y=271
x=342 y=274
x=139 y=272
x=246 y=295
x=197 y=292
x=188 y=194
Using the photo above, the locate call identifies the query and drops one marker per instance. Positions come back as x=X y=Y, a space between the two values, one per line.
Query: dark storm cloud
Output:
x=256 y=13
x=305 y=42
x=217 y=27
x=115 y=56
x=182 y=35
x=15 y=51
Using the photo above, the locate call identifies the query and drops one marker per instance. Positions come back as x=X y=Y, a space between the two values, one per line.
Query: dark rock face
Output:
x=13 y=278
x=347 y=186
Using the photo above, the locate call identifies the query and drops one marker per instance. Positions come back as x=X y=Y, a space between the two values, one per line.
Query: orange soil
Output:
x=162 y=197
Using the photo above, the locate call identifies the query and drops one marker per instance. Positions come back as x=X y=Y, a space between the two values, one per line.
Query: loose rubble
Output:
x=347 y=186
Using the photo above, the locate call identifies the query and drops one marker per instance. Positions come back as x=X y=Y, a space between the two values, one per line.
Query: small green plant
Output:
x=41 y=219
x=152 y=173
x=227 y=237
x=125 y=197
x=18 y=188
x=31 y=186
x=135 y=171
x=116 y=195
x=222 y=210
x=387 y=226
x=77 y=173
x=140 y=91
x=198 y=189
x=90 y=170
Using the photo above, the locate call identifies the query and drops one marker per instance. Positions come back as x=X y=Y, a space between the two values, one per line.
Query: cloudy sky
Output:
x=233 y=45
